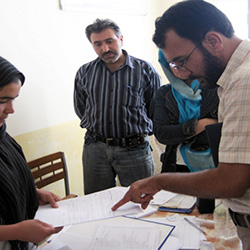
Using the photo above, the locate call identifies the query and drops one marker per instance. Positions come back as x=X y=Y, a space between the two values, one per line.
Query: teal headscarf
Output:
x=188 y=97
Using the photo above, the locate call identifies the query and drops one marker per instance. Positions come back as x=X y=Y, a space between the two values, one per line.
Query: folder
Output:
x=214 y=133
x=165 y=228
x=88 y=231
x=179 y=204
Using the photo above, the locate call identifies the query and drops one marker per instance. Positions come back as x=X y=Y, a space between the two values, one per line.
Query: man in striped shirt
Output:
x=114 y=98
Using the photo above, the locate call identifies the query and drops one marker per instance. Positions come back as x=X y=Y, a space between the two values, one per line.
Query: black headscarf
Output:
x=7 y=72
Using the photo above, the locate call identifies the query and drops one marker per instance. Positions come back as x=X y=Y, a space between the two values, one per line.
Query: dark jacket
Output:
x=168 y=131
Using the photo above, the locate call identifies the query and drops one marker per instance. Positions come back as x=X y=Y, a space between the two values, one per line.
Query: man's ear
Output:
x=213 y=42
x=121 y=39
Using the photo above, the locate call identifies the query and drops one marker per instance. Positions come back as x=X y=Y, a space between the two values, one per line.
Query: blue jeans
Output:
x=101 y=164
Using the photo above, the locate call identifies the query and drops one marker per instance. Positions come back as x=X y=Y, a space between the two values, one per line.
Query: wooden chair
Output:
x=49 y=169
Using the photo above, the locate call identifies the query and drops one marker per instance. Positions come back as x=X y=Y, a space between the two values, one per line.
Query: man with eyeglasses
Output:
x=221 y=59
x=175 y=64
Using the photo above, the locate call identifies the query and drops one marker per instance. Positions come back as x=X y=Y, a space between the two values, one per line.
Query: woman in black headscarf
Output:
x=19 y=199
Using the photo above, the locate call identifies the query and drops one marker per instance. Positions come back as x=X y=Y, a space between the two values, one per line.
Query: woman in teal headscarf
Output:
x=180 y=109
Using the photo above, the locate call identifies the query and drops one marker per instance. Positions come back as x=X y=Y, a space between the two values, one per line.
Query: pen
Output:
x=204 y=221
x=192 y=224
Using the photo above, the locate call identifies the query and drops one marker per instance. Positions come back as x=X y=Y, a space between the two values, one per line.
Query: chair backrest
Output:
x=49 y=169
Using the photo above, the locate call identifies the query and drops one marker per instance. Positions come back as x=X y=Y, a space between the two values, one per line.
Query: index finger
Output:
x=120 y=203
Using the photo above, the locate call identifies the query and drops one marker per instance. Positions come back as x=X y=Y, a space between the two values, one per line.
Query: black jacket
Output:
x=167 y=129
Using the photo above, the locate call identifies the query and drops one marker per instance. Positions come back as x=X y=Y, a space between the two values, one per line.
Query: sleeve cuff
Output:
x=189 y=127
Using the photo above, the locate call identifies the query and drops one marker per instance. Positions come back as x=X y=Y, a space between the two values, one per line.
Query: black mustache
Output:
x=109 y=52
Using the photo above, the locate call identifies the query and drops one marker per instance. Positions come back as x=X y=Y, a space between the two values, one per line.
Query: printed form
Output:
x=86 y=208
x=114 y=233
x=126 y=237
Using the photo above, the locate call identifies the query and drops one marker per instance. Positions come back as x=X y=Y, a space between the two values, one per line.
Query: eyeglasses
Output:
x=181 y=63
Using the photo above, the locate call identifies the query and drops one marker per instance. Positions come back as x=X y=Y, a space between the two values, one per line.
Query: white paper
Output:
x=82 y=234
x=69 y=241
x=126 y=237
x=173 y=243
x=90 y=207
x=162 y=197
x=145 y=212
x=188 y=236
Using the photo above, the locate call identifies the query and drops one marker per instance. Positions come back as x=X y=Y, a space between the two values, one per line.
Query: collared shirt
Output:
x=234 y=108
x=116 y=104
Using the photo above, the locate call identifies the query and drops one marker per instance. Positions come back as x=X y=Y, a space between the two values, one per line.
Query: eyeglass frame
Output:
x=182 y=62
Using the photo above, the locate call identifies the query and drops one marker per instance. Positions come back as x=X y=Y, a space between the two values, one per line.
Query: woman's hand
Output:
x=28 y=230
x=46 y=197
x=34 y=230
x=202 y=123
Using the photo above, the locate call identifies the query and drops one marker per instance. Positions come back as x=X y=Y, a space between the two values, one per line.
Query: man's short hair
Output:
x=191 y=19
x=102 y=24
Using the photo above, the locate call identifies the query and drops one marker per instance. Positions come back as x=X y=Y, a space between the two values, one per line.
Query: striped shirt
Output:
x=234 y=94
x=116 y=104
x=18 y=195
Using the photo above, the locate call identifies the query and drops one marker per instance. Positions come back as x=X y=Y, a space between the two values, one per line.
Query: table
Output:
x=208 y=228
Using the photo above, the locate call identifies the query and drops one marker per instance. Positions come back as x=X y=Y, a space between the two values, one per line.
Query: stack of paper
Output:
x=96 y=206
x=99 y=227
x=179 y=204
x=188 y=236
x=162 y=197
x=119 y=233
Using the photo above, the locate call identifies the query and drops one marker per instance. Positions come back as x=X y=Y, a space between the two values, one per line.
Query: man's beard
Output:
x=213 y=68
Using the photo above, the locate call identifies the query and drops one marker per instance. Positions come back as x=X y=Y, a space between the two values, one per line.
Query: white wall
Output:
x=49 y=45
x=237 y=12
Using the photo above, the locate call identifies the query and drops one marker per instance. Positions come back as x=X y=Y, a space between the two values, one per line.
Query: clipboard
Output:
x=214 y=134
x=161 y=225
x=88 y=229
x=177 y=210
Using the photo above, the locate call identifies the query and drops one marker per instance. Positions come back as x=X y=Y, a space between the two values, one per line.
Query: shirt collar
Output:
x=128 y=60
x=234 y=62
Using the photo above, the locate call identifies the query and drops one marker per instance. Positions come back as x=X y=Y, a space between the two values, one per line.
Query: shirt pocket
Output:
x=133 y=97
